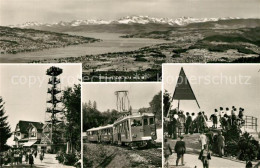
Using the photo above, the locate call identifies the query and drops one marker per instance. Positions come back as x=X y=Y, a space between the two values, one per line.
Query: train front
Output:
x=143 y=130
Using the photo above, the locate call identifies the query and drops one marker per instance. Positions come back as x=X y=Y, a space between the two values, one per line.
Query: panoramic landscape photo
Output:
x=129 y=41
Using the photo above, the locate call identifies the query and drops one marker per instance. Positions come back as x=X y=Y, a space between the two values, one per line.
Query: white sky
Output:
x=140 y=94
x=245 y=94
x=48 y=11
x=25 y=100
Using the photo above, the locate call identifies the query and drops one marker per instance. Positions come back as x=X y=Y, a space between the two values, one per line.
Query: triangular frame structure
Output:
x=183 y=90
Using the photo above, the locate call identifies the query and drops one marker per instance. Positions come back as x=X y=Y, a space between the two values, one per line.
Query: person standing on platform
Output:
x=221 y=144
x=214 y=119
x=221 y=112
x=228 y=112
x=241 y=113
x=180 y=149
x=205 y=116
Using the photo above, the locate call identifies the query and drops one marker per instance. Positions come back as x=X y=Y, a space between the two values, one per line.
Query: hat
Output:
x=216 y=110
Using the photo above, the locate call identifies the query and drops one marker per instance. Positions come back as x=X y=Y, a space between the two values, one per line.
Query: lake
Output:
x=111 y=43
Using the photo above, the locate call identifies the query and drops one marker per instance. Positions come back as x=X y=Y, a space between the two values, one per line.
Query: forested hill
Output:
x=15 y=40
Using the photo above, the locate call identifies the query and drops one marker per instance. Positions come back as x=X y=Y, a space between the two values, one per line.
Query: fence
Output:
x=251 y=122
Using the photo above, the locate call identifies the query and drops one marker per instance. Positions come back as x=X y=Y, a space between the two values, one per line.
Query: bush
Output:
x=50 y=151
x=70 y=159
x=60 y=157
x=248 y=147
x=67 y=159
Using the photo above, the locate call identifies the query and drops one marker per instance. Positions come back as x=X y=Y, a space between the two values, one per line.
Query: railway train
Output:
x=131 y=130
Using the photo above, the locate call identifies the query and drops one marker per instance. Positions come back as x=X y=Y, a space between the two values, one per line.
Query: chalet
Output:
x=28 y=133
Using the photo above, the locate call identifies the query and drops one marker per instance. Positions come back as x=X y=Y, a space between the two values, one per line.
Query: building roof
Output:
x=24 y=125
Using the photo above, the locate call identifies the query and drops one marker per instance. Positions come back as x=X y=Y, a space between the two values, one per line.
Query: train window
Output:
x=151 y=121
x=145 y=121
x=136 y=122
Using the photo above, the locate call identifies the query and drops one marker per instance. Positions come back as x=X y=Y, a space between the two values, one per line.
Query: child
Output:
x=205 y=156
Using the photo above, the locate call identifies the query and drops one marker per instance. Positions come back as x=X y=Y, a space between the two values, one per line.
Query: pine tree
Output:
x=5 y=130
x=95 y=105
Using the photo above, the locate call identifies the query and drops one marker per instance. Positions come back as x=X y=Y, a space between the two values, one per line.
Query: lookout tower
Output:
x=53 y=115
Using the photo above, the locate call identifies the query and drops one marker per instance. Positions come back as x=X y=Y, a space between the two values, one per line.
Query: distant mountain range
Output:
x=125 y=20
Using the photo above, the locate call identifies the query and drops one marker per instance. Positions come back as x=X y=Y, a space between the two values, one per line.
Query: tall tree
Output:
x=95 y=105
x=166 y=103
x=156 y=106
x=5 y=131
x=72 y=102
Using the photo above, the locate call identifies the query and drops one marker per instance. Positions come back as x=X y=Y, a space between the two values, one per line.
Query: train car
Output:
x=106 y=134
x=93 y=134
x=134 y=130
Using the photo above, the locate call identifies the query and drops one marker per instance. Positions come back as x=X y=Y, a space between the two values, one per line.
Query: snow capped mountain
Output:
x=27 y=24
x=182 y=21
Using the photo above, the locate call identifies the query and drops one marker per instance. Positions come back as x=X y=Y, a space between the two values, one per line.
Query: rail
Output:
x=250 y=122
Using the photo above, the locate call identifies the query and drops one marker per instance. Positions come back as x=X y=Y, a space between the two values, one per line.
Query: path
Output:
x=191 y=160
x=49 y=161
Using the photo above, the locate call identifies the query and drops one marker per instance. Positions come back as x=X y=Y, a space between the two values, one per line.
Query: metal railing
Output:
x=250 y=122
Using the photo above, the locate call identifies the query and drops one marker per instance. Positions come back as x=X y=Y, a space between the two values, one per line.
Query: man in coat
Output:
x=188 y=123
x=221 y=143
x=180 y=149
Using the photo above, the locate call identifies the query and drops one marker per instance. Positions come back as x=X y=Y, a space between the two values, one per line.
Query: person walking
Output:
x=167 y=150
x=180 y=149
x=31 y=160
x=221 y=144
x=205 y=156
x=35 y=153
x=41 y=157
x=26 y=157
x=202 y=139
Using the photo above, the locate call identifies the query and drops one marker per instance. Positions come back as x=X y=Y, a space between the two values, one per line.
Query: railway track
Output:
x=151 y=157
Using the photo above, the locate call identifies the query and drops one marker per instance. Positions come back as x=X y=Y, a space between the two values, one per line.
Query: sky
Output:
x=140 y=94
x=24 y=89
x=218 y=86
x=49 y=11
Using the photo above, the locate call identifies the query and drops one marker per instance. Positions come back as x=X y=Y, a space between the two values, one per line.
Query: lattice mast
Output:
x=122 y=101
x=53 y=100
